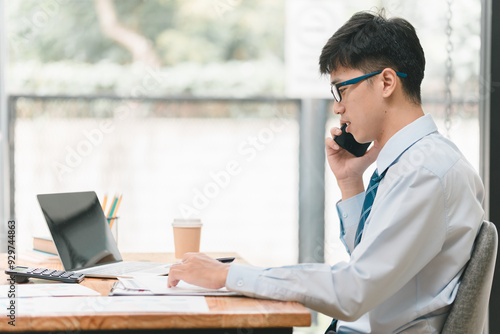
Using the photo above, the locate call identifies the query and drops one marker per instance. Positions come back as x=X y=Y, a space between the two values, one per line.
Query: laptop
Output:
x=84 y=240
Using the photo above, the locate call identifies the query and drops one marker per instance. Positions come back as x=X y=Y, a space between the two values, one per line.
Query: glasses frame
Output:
x=334 y=88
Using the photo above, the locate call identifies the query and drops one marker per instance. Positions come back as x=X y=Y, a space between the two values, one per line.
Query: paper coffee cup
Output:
x=187 y=235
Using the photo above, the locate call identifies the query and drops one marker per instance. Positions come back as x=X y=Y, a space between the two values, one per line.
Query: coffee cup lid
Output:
x=187 y=222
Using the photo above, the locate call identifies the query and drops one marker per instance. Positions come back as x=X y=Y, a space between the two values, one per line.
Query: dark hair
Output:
x=370 y=42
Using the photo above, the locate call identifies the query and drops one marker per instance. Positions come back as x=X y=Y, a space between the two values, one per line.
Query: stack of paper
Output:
x=49 y=306
x=157 y=285
x=49 y=289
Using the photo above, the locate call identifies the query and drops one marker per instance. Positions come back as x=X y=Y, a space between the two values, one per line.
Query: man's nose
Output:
x=338 y=108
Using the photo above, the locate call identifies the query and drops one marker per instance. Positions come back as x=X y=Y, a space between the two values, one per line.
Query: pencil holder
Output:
x=113 y=225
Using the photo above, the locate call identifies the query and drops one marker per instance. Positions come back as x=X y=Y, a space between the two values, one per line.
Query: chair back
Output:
x=469 y=310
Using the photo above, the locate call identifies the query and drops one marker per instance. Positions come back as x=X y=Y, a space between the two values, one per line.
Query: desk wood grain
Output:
x=224 y=312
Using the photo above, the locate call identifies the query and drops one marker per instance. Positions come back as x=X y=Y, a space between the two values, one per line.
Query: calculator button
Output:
x=38 y=271
x=76 y=275
x=66 y=275
x=48 y=272
x=57 y=273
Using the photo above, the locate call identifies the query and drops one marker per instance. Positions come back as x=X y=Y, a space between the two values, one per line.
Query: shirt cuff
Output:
x=349 y=212
x=243 y=278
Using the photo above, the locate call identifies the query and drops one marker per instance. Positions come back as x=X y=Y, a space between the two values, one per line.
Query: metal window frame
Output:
x=490 y=139
x=5 y=213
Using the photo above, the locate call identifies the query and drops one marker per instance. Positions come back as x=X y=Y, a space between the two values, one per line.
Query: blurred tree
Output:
x=140 y=48
x=164 y=31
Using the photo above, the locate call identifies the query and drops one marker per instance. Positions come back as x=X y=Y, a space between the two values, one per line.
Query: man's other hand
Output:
x=199 y=269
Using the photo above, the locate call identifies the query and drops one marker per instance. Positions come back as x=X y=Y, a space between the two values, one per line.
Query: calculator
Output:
x=23 y=274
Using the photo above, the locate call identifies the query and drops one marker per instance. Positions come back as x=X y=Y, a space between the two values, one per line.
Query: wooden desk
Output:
x=227 y=314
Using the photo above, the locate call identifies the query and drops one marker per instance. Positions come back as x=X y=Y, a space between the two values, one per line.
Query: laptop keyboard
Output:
x=121 y=268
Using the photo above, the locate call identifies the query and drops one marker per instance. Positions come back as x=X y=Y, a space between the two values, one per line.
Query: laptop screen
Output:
x=79 y=229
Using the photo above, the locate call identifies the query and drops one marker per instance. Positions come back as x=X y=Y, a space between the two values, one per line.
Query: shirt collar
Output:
x=403 y=139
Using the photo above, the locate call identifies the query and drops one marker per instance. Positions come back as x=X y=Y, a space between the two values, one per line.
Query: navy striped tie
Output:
x=371 y=191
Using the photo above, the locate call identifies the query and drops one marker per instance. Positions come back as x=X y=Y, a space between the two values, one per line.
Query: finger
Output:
x=172 y=282
x=375 y=147
x=373 y=152
x=173 y=275
x=335 y=131
x=331 y=144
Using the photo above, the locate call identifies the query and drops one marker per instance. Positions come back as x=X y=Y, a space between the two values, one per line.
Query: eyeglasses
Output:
x=335 y=87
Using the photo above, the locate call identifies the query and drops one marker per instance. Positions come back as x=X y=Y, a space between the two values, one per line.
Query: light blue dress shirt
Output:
x=404 y=274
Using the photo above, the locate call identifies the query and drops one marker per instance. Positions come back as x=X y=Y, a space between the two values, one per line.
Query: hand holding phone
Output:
x=346 y=141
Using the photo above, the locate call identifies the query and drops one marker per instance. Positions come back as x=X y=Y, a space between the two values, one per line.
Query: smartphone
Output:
x=347 y=141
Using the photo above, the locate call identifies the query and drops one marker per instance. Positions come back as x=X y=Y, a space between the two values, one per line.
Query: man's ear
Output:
x=389 y=81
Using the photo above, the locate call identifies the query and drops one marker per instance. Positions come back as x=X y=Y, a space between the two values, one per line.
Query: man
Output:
x=410 y=234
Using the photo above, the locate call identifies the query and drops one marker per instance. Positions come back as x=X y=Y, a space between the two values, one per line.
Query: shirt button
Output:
x=240 y=283
x=344 y=215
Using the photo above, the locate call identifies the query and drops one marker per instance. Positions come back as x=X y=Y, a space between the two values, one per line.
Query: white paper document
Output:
x=98 y=305
x=45 y=290
x=157 y=285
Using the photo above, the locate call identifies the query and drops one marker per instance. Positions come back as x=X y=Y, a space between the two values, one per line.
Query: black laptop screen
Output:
x=79 y=229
